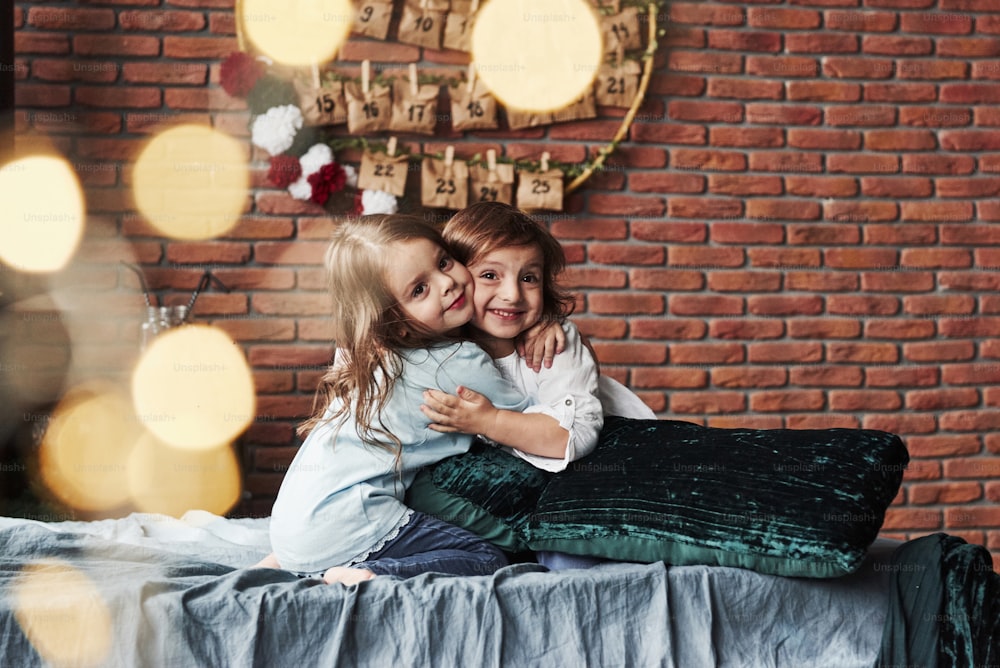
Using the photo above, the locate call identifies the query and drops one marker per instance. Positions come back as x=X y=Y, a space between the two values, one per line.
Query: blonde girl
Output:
x=399 y=303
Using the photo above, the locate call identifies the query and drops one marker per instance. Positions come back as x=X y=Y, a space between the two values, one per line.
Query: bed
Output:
x=152 y=590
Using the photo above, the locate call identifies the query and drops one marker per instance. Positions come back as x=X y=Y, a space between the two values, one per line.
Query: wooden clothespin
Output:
x=545 y=161
x=414 y=87
x=620 y=54
x=491 y=166
x=366 y=75
x=315 y=75
x=390 y=148
x=472 y=78
x=449 y=159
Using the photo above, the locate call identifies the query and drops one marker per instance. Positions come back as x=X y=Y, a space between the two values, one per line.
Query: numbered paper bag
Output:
x=518 y=119
x=495 y=185
x=473 y=108
x=367 y=111
x=414 y=107
x=372 y=19
x=621 y=30
x=458 y=25
x=542 y=189
x=422 y=24
x=324 y=104
x=444 y=184
x=581 y=108
x=381 y=171
x=617 y=85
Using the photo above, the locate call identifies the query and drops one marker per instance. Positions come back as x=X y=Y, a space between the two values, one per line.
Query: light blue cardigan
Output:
x=340 y=499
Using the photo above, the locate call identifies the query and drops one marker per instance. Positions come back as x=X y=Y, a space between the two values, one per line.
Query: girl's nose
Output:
x=510 y=291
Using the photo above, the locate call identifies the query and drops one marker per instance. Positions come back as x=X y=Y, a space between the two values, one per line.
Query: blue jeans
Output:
x=426 y=544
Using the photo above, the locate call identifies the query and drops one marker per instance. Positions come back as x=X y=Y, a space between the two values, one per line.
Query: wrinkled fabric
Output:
x=177 y=596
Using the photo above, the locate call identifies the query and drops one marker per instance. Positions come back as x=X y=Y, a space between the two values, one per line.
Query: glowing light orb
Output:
x=192 y=388
x=173 y=481
x=191 y=182
x=537 y=55
x=62 y=613
x=41 y=218
x=86 y=446
x=297 y=32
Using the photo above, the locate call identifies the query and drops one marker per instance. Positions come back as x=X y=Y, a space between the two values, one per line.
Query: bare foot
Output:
x=270 y=561
x=347 y=576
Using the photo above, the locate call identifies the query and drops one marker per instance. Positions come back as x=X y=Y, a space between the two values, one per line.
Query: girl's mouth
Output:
x=506 y=315
x=457 y=304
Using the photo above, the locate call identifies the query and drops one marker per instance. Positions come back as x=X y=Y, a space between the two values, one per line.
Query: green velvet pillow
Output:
x=784 y=501
x=487 y=491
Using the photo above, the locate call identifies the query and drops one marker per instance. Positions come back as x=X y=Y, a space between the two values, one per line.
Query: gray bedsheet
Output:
x=180 y=593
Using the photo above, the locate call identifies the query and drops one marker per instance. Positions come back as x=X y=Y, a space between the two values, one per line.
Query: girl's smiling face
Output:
x=430 y=287
x=508 y=295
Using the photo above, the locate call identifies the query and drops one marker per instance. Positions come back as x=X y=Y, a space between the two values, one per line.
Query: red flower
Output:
x=239 y=73
x=329 y=179
x=285 y=170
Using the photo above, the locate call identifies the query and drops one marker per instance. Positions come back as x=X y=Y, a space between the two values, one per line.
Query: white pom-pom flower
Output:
x=275 y=130
x=315 y=158
x=378 y=201
x=352 y=176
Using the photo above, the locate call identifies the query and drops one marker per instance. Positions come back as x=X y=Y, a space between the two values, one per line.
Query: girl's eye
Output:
x=488 y=275
x=419 y=290
x=445 y=263
x=529 y=278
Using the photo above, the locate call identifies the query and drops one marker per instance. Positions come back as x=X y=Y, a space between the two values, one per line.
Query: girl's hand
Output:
x=466 y=411
x=540 y=343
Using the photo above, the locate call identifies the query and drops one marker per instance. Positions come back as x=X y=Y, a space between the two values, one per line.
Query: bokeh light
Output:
x=41 y=216
x=297 y=32
x=193 y=388
x=537 y=55
x=172 y=481
x=62 y=613
x=86 y=446
x=191 y=182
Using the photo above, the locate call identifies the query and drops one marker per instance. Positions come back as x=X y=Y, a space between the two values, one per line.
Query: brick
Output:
x=786 y=162
x=783 y=19
x=890 y=329
x=576 y=278
x=970 y=140
x=71 y=19
x=703 y=208
x=820 y=43
x=855 y=21
x=820 y=186
x=714 y=112
x=939 y=351
x=746 y=89
x=842 y=67
x=784 y=401
x=782 y=209
x=942 y=493
x=971 y=374
x=162 y=21
x=779 y=114
x=862 y=305
x=707 y=403
x=602 y=328
x=669 y=133
x=782 y=66
x=821 y=281
x=673 y=329
x=746 y=137
x=669 y=231
x=823 y=91
x=897 y=281
x=604 y=253
x=748 y=377
x=709 y=63
x=623 y=303
x=907 y=377
x=972 y=467
x=892 y=45
x=165 y=73
x=630 y=353
x=784 y=257
x=943 y=399
x=671 y=378
x=864 y=400
x=726 y=329
x=910 y=518
x=900 y=92
x=706 y=305
x=742 y=281
x=821 y=421
x=862 y=163
x=129 y=97
x=935 y=23
x=678 y=36
x=779 y=352
x=969 y=327
x=861 y=116
x=864 y=353
x=41 y=95
x=707 y=160
x=666 y=182
x=697 y=13
x=676 y=85
x=969 y=93
x=270 y=329
x=935 y=117
x=968 y=47
x=826 y=376
x=903 y=424
x=602 y=204
x=744 y=40
x=936 y=211
x=704 y=256
x=640 y=157
x=900 y=140
x=963 y=280
x=938 y=164
x=932 y=69
x=908 y=235
x=116 y=45
x=896 y=187
x=706 y=353
x=672 y=280
x=864 y=211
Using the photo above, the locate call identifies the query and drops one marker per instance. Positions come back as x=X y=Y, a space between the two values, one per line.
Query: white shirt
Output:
x=572 y=393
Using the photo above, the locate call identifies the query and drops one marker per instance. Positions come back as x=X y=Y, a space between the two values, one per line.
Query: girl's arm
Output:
x=469 y=412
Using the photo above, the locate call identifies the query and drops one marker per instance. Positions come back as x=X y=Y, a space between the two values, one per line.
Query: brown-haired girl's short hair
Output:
x=484 y=227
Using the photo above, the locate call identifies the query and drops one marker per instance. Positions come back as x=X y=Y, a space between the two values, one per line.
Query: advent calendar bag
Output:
x=422 y=23
x=372 y=19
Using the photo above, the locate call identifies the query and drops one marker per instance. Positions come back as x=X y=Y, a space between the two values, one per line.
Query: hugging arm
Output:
x=469 y=412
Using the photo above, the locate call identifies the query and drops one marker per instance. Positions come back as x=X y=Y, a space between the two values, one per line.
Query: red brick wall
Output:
x=801 y=230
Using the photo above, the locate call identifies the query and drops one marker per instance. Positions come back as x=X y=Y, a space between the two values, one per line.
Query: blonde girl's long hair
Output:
x=483 y=227
x=369 y=328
